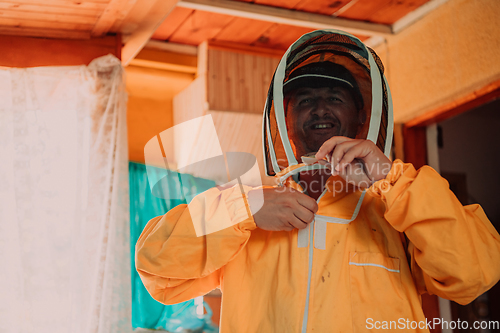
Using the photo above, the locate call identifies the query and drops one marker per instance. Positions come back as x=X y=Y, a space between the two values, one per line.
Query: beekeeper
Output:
x=349 y=237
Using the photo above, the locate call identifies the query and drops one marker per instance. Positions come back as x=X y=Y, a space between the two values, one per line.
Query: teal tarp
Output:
x=146 y=312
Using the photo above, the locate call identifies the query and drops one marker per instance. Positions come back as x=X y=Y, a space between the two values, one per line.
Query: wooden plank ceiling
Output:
x=57 y=19
x=180 y=21
x=375 y=11
x=191 y=26
x=136 y=20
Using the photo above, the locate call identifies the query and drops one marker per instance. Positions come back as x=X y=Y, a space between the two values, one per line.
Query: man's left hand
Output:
x=359 y=162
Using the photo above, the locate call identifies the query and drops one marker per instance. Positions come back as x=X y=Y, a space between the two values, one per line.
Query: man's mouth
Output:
x=322 y=126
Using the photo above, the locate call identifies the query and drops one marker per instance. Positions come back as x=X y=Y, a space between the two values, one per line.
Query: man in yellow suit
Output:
x=348 y=239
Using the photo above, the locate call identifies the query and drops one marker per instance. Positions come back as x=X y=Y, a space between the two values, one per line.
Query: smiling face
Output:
x=314 y=115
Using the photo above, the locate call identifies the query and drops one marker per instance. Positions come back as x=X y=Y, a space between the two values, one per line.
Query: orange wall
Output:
x=448 y=54
x=32 y=52
x=150 y=109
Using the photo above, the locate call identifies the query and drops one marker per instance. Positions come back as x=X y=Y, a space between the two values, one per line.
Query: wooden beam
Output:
x=399 y=151
x=474 y=99
x=18 y=51
x=344 y=8
x=246 y=49
x=165 y=60
x=430 y=305
x=415 y=143
x=56 y=25
x=40 y=8
x=163 y=66
x=416 y=15
x=172 y=47
x=41 y=32
x=158 y=11
x=286 y=16
x=53 y=4
x=23 y=16
x=374 y=41
x=116 y=10
x=167 y=57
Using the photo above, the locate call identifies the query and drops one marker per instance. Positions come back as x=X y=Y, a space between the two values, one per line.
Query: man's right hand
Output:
x=284 y=209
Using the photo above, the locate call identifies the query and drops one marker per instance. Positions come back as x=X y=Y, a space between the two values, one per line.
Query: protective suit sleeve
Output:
x=455 y=250
x=176 y=262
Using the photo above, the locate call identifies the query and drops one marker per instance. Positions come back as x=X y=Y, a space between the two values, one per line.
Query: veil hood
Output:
x=365 y=66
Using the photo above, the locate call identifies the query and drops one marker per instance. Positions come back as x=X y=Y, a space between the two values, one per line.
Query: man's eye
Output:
x=334 y=99
x=305 y=101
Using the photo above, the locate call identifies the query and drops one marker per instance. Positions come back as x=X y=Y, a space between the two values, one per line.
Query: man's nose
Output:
x=322 y=107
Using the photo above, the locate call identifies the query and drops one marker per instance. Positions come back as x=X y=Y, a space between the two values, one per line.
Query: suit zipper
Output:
x=311 y=252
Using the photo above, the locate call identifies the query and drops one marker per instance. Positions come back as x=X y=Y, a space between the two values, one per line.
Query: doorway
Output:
x=469 y=148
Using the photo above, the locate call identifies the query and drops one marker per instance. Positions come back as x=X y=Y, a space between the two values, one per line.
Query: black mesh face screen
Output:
x=384 y=120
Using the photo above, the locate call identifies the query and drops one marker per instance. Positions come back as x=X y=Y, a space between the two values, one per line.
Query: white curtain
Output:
x=64 y=210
